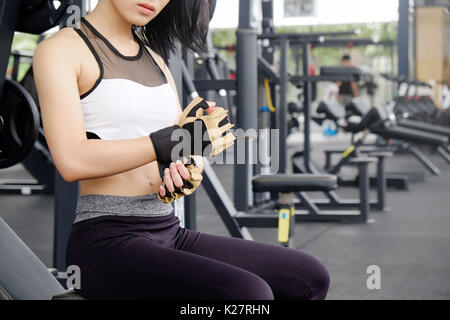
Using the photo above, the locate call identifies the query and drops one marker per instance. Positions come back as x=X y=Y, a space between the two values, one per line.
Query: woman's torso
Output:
x=138 y=181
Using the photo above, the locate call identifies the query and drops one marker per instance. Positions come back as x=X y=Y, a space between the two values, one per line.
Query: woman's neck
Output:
x=110 y=23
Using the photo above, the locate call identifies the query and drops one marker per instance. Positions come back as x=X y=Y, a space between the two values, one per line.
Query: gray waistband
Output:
x=96 y=205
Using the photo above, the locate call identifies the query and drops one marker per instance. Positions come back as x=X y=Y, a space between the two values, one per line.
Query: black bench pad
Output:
x=411 y=135
x=294 y=182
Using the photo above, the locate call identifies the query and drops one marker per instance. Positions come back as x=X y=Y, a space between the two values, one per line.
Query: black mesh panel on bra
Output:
x=140 y=68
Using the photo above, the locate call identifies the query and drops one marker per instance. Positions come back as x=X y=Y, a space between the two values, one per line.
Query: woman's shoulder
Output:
x=63 y=43
x=64 y=36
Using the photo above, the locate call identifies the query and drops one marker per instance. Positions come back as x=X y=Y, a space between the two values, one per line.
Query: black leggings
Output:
x=129 y=257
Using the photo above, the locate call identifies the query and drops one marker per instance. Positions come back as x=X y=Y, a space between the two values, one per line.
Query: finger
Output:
x=176 y=178
x=210 y=109
x=212 y=106
x=168 y=180
x=162 y=191
x=183 y=171
x=211 y=103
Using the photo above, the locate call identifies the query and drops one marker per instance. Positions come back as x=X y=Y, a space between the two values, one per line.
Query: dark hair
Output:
x=346 y=57
x=185 y=21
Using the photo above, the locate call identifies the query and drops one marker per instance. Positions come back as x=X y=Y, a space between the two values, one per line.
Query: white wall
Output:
x=328 y=12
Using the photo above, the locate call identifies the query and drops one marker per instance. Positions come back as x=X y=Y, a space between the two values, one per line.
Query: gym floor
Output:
x=410 y=243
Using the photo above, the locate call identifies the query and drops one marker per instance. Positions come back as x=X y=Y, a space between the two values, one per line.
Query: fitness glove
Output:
x=200 y=131
x=188 y=187
x=213 y=126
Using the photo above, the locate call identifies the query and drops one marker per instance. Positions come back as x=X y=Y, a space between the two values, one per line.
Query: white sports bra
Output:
x=131 y=98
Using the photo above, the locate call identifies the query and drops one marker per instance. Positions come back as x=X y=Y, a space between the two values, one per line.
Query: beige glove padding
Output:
x=216 y=124
x=188 y=188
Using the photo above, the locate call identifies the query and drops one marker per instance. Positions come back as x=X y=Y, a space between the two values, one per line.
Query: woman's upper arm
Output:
x=56 y=71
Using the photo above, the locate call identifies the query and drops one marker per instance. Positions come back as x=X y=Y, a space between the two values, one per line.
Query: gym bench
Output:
x=287 y=185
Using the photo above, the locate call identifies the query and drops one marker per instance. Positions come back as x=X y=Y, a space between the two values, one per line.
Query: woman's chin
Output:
x=139 y=20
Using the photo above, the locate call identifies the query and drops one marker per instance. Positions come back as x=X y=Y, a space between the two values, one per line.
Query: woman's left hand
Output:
x=173 y=177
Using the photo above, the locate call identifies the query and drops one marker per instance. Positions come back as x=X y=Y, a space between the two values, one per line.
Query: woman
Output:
x=102 y=89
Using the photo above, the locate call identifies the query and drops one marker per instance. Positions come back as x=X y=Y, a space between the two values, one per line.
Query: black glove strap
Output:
x=163 y=144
